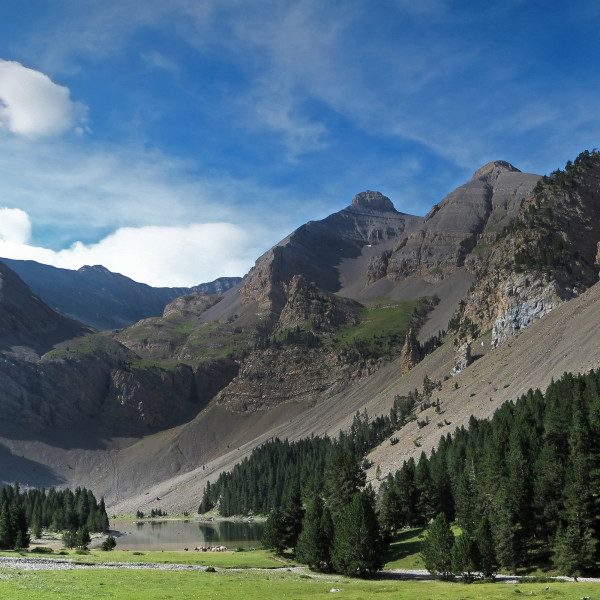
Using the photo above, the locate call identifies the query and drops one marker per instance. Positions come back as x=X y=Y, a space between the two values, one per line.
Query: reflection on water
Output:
x=177 y=535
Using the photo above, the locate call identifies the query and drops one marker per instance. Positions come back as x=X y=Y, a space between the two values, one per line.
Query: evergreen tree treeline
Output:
x=279 y=469
x=25 y=513
x=532 y=473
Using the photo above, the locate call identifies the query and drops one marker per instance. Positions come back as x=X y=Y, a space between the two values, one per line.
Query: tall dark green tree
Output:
x=7 y=536
x=292 y=518
x=19 y=526
x=357 y=548
x=316 y=537
x=343 y=479
x=486 y=554
x=274 y=532
x=464 y=555
x=436 y=549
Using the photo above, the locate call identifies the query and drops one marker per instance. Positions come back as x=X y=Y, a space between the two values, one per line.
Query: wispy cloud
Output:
x=157 y=60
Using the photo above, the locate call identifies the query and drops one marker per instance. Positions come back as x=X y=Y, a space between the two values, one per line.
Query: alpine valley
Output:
x=144 y=395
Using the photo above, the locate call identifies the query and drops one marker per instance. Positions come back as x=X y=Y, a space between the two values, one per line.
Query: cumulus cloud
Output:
x=32 y=105
x=158 y=256
x=15 y=226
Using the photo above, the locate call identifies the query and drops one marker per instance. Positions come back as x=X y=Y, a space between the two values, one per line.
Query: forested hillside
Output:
x=27 y=513
x=530 y=476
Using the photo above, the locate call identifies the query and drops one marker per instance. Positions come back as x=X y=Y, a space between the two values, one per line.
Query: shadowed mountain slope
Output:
x=294 y=348
x=100 y=298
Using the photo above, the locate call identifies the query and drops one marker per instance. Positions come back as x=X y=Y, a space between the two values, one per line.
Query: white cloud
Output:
x=32 y=105
x=15 y=226
x=159 y=256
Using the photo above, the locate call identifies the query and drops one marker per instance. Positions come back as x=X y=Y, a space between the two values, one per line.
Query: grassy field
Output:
x=259 y=585
x=405 y=551
x=257 y=575
x=256 y=559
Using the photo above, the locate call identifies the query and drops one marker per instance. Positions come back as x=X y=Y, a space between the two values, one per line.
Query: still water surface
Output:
x=177 y=535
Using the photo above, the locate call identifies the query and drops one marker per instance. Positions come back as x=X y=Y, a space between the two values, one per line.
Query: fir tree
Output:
x=486 y=555
x=356 y=543
x=7 y=537
x=436 y=550
x=315 y=539
x=464 y=555
x=274 y=532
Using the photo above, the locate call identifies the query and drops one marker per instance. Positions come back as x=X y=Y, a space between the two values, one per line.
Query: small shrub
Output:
x=42 y=550
x=138 y=553
x=210 y=570
x=81 y=551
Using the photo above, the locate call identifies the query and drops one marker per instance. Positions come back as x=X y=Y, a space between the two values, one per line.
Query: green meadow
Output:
x=260 y=585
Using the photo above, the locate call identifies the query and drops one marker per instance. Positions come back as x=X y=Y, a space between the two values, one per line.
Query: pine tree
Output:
x=292 y=517
x=464 y=555
x=315 y=539
x=390 y=514
x=486 y=555
x=82 y=537
x=274 y=532
x=7 y=535
x=436 y=550
x=19 y=526
x=574 y=550
x=343 y=478
x=357 y=547
x=69 y=538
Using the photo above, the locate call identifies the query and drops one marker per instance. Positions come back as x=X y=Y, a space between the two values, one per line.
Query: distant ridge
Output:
x=103 y=299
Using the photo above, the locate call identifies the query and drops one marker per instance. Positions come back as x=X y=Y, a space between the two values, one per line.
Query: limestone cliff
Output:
x=547 y=255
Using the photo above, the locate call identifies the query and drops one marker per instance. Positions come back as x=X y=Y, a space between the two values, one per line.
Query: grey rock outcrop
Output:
x=463 y=358
x=411 y=353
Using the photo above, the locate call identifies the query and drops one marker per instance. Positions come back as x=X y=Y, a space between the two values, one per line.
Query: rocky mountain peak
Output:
x=94 y=269
x=377 y=200
x=492 y=170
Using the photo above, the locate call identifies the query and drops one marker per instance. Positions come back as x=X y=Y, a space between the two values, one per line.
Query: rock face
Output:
x=411 y=353
x=548 y=254
x=316 y=250
x=463 y=358
x=524 y=302
x=463 y=225
x=101 y=299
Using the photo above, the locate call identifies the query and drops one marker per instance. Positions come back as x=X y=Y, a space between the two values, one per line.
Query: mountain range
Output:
x=491 y=293
x=102 y=299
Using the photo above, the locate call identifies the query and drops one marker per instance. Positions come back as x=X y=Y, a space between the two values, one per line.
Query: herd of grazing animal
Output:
x=210 y=549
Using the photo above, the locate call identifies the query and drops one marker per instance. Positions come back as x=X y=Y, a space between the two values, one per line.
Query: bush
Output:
x=109 y=543
x=41 y=550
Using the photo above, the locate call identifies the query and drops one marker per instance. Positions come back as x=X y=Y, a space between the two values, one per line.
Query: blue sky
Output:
x=174 y=141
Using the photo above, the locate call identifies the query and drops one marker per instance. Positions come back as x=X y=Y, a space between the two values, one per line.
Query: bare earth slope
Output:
x=562 y=341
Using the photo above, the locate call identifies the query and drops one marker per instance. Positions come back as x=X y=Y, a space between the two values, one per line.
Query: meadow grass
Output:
x=392 y=316
x=257 y=585
x=255 y=559
x=405 y=550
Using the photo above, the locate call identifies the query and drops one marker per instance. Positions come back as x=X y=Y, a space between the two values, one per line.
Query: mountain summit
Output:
x=376 y=200
x=313 y=333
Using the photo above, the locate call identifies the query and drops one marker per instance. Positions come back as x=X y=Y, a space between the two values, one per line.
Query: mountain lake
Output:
x=186 y=533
